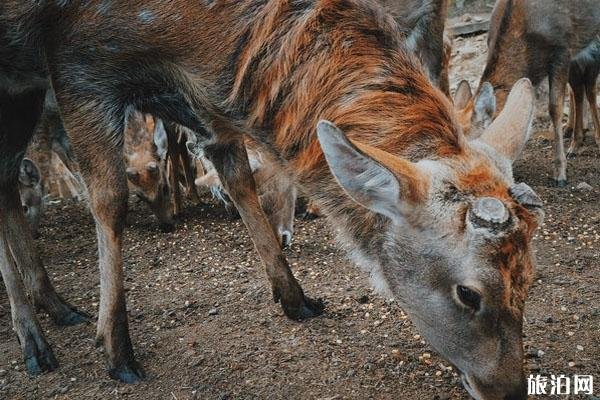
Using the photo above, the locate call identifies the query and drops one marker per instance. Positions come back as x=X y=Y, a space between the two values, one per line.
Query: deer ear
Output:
x=510 y=130
x=29 y=174
x=463 y=95
x=160 y=139
x=376 y=180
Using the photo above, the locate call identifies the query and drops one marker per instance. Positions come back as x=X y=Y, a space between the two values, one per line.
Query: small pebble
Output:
x=213 y=311
x=540 y=353
x=584 y=186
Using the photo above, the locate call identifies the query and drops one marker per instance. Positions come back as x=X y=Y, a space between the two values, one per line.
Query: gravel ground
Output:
x=204 y=325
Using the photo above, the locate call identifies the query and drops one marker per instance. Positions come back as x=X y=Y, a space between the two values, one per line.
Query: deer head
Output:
x=32 y=194
x=452 y=242
x=276 y=191
x=146 y=148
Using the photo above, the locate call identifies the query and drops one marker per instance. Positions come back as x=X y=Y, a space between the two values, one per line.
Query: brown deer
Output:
x=31 y=190
x=436 y=220
x=146 y=148
x=276 y=191
x=538 y=39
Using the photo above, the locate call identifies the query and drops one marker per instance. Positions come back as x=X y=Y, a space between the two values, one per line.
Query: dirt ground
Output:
x=204 y=325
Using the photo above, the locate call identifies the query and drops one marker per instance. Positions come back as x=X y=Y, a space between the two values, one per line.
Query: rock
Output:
x=584 y=186
x=549 y=320
x=533 y=353
x=213 y=311
x=540 y=353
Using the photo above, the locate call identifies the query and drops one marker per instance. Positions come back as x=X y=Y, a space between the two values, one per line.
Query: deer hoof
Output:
x=572 y=152
x=72 y=317
x=166 y=227
x=308 y=308
x=561 y=183
x=39 y=357
x=129 y=372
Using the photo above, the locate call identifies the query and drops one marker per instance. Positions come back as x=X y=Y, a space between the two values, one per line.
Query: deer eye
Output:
x=468 y=297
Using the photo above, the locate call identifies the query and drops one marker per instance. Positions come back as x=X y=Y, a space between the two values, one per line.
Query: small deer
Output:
x=146 y=148
x=31 y=190
x=538 y=39
x=276 y=191
x=329 y=88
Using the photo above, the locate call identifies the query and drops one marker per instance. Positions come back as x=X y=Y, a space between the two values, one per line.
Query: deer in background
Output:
x=31 y=190
x=327 y=87
x=276 y=191
x=538 y=39
x=146 y=148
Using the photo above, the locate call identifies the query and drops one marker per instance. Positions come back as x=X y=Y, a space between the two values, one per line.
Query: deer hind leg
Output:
x=98 y=146
x=231 y=162
x=558 y=81
x=18 y=117
x=172 y=174
x=189 y=172
x=576 y=110
x=570 y=126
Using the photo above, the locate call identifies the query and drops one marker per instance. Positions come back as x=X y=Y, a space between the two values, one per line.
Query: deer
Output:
x=31 y=190
x=329 y=88
x=276 y=191
x=538 y=39
x=146 y=148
